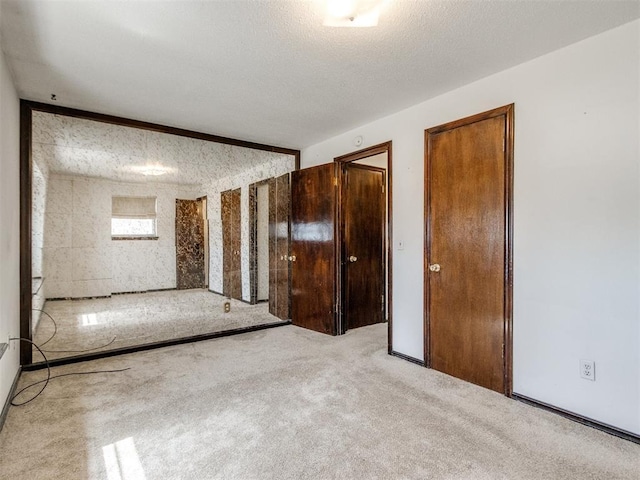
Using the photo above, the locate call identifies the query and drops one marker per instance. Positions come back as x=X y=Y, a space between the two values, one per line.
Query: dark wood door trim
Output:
x=26 y=159
x=385 y=147
x=508 y=112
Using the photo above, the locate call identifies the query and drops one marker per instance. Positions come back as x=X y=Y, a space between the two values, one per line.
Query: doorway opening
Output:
x=262 y=243
x=365 y=219
x=269 y=267
x=341 y=217
x=192 y=246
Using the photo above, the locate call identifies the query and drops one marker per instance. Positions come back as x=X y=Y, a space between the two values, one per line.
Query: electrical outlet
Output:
x=588 y=370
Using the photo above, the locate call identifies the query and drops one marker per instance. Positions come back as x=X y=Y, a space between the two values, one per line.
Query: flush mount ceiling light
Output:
x=352 y=13
x=151 y=170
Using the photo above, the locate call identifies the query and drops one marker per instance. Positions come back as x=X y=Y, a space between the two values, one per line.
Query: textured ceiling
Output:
x=73 y=146
x=269 y=71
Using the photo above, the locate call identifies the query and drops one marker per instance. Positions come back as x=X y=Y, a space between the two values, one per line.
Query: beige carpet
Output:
x=139 y=318
x=288 y=403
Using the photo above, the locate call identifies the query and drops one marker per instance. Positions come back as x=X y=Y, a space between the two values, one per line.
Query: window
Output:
x=133 y=218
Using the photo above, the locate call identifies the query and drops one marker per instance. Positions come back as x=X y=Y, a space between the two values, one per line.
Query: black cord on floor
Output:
x=82 y=351
x=55 y=326
x=55 y=331
x=46 y=382
x=68 y=375
x=49 y=377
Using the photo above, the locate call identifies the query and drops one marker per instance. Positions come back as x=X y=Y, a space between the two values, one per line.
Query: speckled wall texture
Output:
x=89 y=161
x=81 y=259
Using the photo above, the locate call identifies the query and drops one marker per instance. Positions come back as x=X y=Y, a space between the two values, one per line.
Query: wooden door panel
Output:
x=364 y=218
x=227 y=251
x=313 y=273
x=283 y=215
x=236 y=263
x=275 y=258
x=279 y=266
x=467 y=235
x=190 y=254
x=231 y=244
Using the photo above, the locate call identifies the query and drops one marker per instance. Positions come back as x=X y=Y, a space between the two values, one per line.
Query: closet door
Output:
x=190 y=244
x=363 y=252
x=279 y=265
x=313 y=248
x=468 y=167
x=231 y=244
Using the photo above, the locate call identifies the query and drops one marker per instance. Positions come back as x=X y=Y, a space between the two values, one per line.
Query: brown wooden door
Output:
x=313 y=248
x=279 y=265
x=467 y=274
x=190 y=245
x=363 y=216
x=231 y=246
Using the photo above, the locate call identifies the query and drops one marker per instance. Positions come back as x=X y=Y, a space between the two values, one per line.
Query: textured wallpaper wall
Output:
x=40 y=181
x=81 y=259
x=90 y=161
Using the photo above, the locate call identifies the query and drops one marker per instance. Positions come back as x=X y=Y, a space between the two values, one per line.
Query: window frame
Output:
x=136 y=236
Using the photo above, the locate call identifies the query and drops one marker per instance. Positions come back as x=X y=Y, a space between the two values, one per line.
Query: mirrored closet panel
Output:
x=141 y=236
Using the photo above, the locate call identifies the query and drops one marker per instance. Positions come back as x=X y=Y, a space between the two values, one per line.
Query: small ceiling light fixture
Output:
x=151 y=170
x=352 y=13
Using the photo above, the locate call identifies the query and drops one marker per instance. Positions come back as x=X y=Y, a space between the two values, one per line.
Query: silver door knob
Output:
x=353 y=259
x=434 y=267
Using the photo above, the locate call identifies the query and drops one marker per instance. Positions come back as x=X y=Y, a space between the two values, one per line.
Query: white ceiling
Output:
x=269 y=71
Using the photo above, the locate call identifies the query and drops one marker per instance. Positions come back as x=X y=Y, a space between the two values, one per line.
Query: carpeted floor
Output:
x=84 y=326
x=288 y=403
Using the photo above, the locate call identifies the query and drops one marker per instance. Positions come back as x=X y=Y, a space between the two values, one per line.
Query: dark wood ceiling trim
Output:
x=154 y=127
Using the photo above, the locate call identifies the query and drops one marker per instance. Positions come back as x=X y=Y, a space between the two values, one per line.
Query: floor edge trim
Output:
x=151 y=346
x=408 y=358
x=7 y=403
x=617 y=432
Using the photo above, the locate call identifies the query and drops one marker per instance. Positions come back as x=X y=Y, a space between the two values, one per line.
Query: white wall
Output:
x=81 y=259
x=9 y=227
x=576 y=214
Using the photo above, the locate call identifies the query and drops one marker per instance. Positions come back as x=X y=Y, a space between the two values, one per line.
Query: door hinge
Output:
x=383 y=188
x=503 y=350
